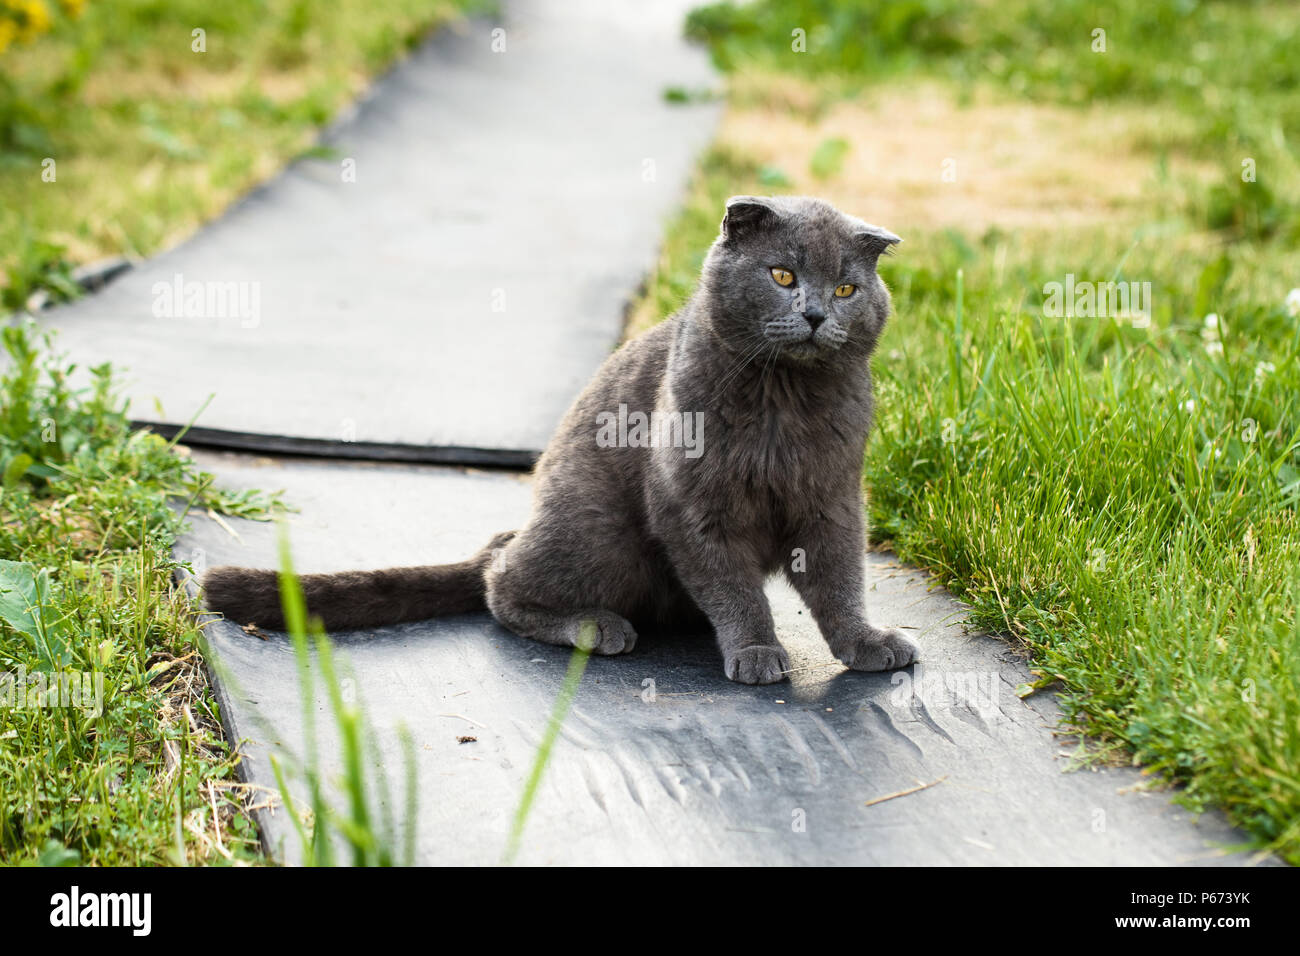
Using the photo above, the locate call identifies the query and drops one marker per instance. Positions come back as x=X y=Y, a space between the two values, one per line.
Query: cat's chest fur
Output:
x=775 y=446
x=771 y=443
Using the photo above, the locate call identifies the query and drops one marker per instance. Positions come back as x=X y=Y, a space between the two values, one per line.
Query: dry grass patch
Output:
x=929 y=157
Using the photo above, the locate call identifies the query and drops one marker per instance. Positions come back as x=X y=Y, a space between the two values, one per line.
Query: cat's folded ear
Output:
x=874 y=241
x=746 y=215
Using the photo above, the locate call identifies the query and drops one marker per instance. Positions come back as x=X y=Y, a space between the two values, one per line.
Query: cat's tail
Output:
x=350 y=600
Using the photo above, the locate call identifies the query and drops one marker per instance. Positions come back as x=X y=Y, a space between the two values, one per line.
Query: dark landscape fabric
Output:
x=662 y=759
x=444 y=282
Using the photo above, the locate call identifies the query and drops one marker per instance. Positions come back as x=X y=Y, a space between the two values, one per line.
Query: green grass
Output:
x=1122 y=501
x=563 y=701
x=140 y=137
x=89 y=513
x=1228 y=68
x=87 y=521
x=371 y=838
x=365 y=826
x=1186 y=52
x=149 y=138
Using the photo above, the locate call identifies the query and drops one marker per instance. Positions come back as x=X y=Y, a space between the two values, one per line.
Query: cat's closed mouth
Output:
x=807 y=349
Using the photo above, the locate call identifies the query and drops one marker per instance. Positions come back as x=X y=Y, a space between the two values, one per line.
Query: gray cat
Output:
x=721 y=446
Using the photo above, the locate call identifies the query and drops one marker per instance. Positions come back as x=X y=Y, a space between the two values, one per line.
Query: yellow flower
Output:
x=38 y=18
x=22 y=20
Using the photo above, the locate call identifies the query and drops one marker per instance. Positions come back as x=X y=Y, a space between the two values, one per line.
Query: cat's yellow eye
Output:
x=782 y=276
x=845 y=290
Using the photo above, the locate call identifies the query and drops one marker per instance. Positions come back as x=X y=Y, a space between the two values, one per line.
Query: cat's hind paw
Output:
x=604 y=632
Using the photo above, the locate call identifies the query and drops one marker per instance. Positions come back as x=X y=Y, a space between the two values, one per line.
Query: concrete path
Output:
x=477 y=238
x=663 y=760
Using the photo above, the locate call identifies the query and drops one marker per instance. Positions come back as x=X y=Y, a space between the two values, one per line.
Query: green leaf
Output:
x=16 y=468
x=828 y=157
x=24 y=597
x=319 y=151
x=55 y=853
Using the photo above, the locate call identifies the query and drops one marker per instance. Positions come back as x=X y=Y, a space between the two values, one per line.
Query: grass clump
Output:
x=365 y=828
x=1123 y=501
x=1227 y=69
x=135 y=771
x=125 y=128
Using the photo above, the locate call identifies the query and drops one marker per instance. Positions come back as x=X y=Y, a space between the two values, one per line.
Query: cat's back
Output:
x=626 y=382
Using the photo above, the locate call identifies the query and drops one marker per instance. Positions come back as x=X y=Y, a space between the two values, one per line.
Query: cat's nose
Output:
x=814 y=317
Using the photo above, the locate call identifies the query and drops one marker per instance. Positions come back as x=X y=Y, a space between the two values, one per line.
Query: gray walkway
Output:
x=662 y=759
x=505 y=207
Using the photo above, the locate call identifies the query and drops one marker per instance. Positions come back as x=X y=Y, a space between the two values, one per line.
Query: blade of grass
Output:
x=569 y=688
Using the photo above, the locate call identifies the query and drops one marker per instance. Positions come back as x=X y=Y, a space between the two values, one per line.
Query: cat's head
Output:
x=795 y=275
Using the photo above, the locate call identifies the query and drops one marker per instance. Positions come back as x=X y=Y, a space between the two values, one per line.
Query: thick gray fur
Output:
x=685 y=532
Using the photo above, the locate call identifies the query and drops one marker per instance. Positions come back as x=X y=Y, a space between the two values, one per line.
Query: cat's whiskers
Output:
x=769 y=365
x=764 y=341
x=740 y=365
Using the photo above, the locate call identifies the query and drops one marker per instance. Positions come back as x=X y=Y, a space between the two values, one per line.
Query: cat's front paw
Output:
x=757 y=664
x=876 y=649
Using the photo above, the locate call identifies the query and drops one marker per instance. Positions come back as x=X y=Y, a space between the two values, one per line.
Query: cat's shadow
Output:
x=685 y=659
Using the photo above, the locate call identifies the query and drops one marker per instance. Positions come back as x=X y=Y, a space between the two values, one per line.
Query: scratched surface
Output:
x=662 y=760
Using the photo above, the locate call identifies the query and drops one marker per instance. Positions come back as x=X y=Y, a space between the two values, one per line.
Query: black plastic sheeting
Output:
x=444 y=282
x=662 y=760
